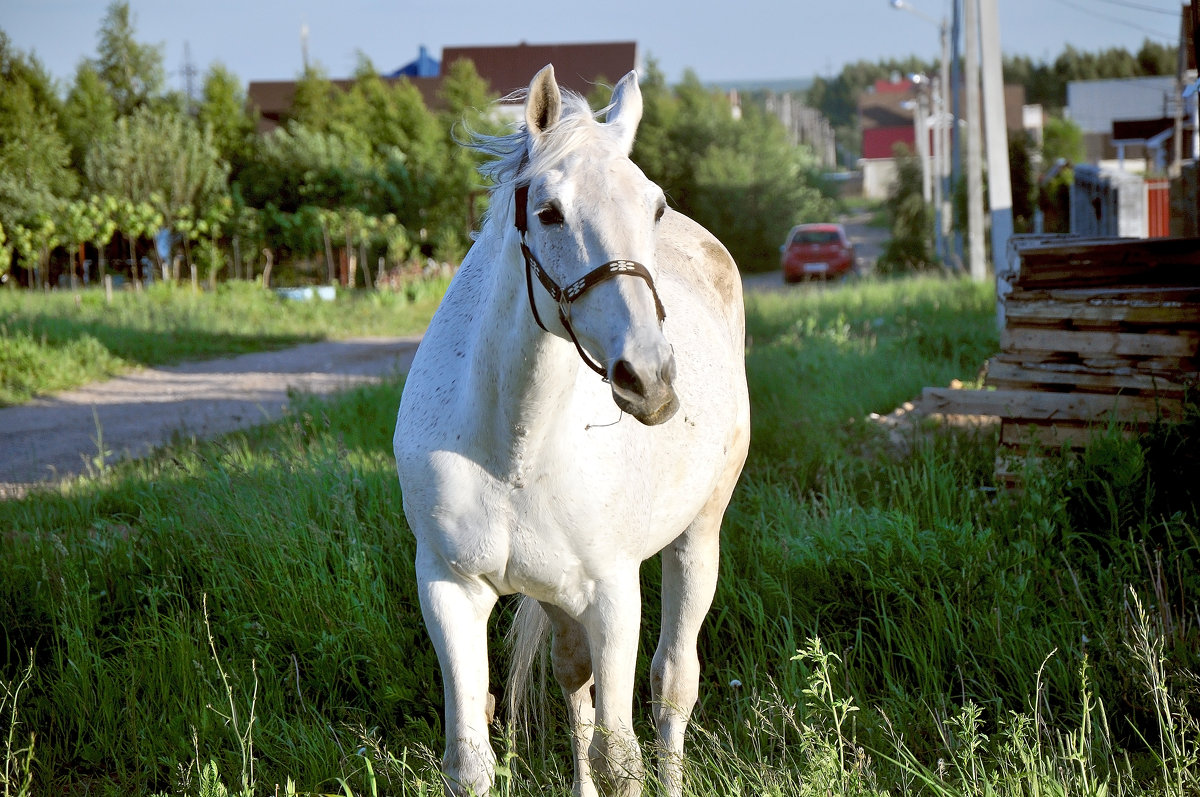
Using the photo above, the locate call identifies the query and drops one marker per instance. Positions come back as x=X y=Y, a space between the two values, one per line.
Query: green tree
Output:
x=1021 y=179
x=740 y=177
x=1062 y=139
x=33 y=242
x=466 y=99
x=34 y=159
x=653 y=150
x=425 y=178
x=89 y=114
x=18 y=68
x=298 y=232
x=245 y=233
x=755 y=190
x=1062 y=148
x=316 y=100
x=1046 y=82
x=75 y=223
x=102 y=211
x=35 y=174
x=205 y=228
x=296 y=166
x=161 y=157
x=910 y=217
x=136 y=220
x=5 y=255
x=465 y=95
x=133 y=72
x=1157 y=59
x=223 y=110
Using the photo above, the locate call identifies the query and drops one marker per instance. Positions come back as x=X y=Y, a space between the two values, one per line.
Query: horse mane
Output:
x=511 y=157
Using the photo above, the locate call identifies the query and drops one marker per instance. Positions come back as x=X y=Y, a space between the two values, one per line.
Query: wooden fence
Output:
x=1093 y=331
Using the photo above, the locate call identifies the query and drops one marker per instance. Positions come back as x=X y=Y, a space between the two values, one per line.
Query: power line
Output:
x=1092 y=12
x=1143 y=7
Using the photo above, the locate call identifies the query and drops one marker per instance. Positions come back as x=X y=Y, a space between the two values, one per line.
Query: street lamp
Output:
x=942 y=123
x=903 y=6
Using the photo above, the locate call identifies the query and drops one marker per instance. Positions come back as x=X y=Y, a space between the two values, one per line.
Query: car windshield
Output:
x=815 y=237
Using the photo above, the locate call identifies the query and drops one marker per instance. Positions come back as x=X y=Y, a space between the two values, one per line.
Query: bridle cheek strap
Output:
x=563 y=297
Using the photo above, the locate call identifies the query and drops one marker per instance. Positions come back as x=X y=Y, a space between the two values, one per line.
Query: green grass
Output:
x=59 y=340
x=241 y=613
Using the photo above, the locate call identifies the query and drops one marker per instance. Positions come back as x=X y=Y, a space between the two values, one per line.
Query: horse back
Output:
x=690 y=255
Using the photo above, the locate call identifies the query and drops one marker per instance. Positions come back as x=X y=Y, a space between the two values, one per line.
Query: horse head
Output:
x=588 y=219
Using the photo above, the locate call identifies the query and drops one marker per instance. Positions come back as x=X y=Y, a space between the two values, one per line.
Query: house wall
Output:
x=1108 y=203
x=878 y=177
x=1095 y=104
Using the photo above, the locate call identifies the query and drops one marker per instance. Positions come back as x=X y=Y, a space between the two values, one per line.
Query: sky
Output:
x=742 y=40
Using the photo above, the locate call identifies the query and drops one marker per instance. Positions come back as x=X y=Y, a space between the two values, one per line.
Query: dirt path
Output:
x=59 y=436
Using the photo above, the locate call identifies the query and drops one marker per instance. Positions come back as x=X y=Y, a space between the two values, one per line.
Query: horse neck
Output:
x=527 y=373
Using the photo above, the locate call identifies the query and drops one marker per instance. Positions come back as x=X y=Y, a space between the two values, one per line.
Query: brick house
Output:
x=579 y=67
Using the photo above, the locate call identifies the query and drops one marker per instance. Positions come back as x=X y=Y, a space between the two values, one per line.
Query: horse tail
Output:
x=526 y=690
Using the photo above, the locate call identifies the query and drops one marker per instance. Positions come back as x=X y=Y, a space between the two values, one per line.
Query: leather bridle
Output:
x=565 y=296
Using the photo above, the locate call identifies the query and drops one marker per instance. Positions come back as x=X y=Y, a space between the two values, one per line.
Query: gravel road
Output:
x=55 y=437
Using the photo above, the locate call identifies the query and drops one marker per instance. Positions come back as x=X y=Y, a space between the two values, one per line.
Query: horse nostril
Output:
x=625 y=378
x=667 y=372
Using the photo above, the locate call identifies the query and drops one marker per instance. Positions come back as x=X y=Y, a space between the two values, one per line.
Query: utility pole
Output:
x=976 y=255
x=957 y=117
x=920 y=105
x=933 y=123
x=944 y=133
x=304 y=45
x=999 y=181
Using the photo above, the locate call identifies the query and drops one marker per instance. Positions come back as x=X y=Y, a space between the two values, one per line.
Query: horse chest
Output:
x=561 y=506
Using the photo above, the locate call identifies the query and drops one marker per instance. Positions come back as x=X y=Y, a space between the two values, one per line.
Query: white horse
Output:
x=520 y=469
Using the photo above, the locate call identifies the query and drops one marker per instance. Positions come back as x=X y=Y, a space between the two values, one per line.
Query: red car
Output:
x=816 y=251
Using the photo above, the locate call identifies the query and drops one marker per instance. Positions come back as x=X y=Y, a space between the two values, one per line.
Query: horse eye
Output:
x=550 y=215
x=658 y=214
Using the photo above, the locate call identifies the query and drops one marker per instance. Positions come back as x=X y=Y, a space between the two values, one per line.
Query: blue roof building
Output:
x=425 y=66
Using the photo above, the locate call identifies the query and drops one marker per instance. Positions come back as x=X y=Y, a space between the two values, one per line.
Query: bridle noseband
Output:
x=565 y=296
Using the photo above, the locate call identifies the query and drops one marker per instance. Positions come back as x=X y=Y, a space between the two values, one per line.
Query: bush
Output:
x=911 y=220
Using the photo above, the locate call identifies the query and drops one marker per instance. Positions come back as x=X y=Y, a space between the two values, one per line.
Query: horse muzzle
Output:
x=645 y=390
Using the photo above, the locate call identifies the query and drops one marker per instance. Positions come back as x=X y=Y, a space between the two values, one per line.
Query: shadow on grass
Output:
x=160 y=347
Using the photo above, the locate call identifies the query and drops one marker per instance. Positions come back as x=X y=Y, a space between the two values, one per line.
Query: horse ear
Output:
x=543 y=104
x=626 y=109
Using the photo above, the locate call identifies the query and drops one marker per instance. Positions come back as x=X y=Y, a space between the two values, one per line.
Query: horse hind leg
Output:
x=571 y=659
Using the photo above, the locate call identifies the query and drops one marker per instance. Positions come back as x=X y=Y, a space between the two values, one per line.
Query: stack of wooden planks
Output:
x=1094 y=332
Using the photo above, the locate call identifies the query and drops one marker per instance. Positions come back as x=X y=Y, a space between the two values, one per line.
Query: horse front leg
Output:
x=456 y=611
x=689 y=566
x=612 y=623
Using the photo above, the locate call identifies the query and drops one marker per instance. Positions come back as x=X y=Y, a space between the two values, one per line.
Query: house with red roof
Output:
x=885 y=115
